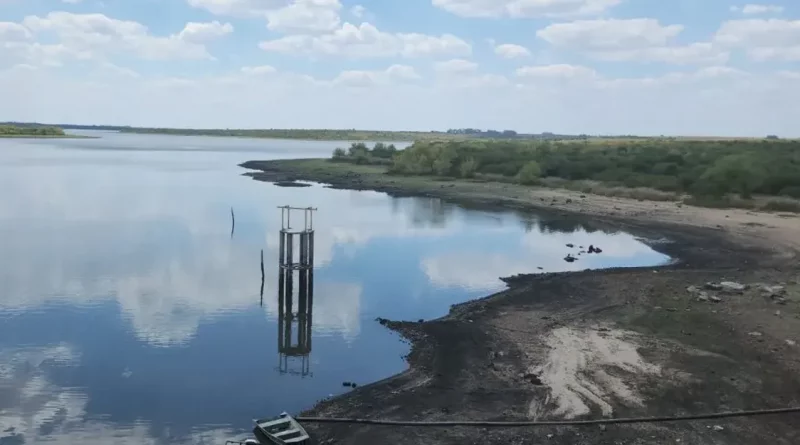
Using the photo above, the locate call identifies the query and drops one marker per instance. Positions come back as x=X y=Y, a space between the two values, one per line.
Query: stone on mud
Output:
x=732 y=286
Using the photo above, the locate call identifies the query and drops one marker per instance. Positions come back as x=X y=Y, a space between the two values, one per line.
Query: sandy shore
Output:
x=593 y=344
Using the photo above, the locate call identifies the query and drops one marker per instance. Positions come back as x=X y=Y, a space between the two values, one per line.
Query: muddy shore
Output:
x=609 y=343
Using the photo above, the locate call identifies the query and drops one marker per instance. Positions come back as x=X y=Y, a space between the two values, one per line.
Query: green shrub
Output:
x=530 y=173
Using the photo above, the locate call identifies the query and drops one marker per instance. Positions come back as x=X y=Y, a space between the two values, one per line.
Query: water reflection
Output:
x=300 y=275
x=128 y=313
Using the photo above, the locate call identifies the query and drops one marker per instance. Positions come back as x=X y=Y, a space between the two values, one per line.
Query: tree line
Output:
x=13 y=130
x=702 y=168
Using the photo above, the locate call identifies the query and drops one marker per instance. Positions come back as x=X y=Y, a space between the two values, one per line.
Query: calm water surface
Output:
x=129 y=314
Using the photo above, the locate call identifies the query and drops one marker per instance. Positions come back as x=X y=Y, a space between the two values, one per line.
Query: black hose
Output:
x=534 y=423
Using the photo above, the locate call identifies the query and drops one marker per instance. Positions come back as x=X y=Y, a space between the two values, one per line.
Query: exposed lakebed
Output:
x=129 y=312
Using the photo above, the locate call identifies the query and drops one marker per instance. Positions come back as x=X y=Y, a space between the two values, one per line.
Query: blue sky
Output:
x=580 y=66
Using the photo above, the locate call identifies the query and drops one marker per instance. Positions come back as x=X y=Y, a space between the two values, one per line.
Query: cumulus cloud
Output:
x=762 y=39
x=755 y=9
x=97 y=36
x=366 y=40
x=642 y=39
x=511 y=51
x=305 y=16
x=392 y=75
x=203 y=32
x=532 y=102
x=358 y=11
x=456 y=66
x=561 y=71
x=259 y=70
x=11 y=32
x=524 y=8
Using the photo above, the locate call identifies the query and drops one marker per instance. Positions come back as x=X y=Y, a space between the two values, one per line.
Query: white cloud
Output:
x=358 y=11
x=455 y=66
x=305 y=16
x=402 y=72
x=643 y=39
x=556 y=72
x=771 y=39
x=609 y=34
x=754 y=9
x=753 y=105
x=259 y=70
x=511 y=51
x=695 y=53
x=367 y=41
x=10 y=32
x=525 y=8
x=95 y=36
x=203 y=32
x=463 y=74
x=392 y=75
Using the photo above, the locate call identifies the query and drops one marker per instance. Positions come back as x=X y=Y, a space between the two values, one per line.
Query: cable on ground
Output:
x=536 y=423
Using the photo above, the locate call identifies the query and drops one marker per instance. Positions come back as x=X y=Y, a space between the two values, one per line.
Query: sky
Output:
x=645 y=67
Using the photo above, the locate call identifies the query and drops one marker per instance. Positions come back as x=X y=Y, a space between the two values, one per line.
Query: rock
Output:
x=712 y=286
x=569 y=201
x=533 y=379
x=570 y=246
x=791 y=343
x=702 y=297
x=777 y=313
x=718 y=428
x=755 y=334
x=693 y=289
x=715 y=299
x=773 y=291
x=732 y=286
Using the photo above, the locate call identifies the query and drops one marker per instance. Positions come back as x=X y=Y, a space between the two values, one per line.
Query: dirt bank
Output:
x=623 y=342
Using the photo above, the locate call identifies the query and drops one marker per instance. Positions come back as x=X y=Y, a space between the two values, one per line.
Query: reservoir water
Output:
x=129 y=313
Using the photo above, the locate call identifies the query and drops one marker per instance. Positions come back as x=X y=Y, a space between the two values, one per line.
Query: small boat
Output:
x=281 y=430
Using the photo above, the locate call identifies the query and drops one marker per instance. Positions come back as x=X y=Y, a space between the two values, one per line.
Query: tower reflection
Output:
x=295 y=292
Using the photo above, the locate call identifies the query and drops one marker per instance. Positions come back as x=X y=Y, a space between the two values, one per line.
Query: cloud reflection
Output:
x=34 y=410
x=481 y=270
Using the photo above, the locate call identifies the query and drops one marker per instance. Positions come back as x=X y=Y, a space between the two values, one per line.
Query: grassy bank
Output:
x=483 y=188
x=746 y=173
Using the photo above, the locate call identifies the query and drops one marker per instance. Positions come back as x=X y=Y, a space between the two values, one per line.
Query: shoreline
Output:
x=500 y=357
x=33 y=136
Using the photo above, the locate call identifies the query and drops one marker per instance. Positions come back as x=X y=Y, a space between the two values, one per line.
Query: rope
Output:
x=534 y=423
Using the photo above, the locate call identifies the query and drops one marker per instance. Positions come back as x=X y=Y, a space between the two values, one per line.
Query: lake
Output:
x=129 y=312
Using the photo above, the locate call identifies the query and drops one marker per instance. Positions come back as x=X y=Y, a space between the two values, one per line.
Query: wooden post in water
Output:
x=262 y=277
x=233 y=222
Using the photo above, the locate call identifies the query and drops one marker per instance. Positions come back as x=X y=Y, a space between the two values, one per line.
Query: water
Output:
x=129 y=314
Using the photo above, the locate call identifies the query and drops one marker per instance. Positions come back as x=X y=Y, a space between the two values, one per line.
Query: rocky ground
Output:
x=718 y=330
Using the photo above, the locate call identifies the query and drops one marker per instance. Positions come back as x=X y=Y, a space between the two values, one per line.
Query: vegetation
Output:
x=15 y=131
x=668 y=168
x=359 y=153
